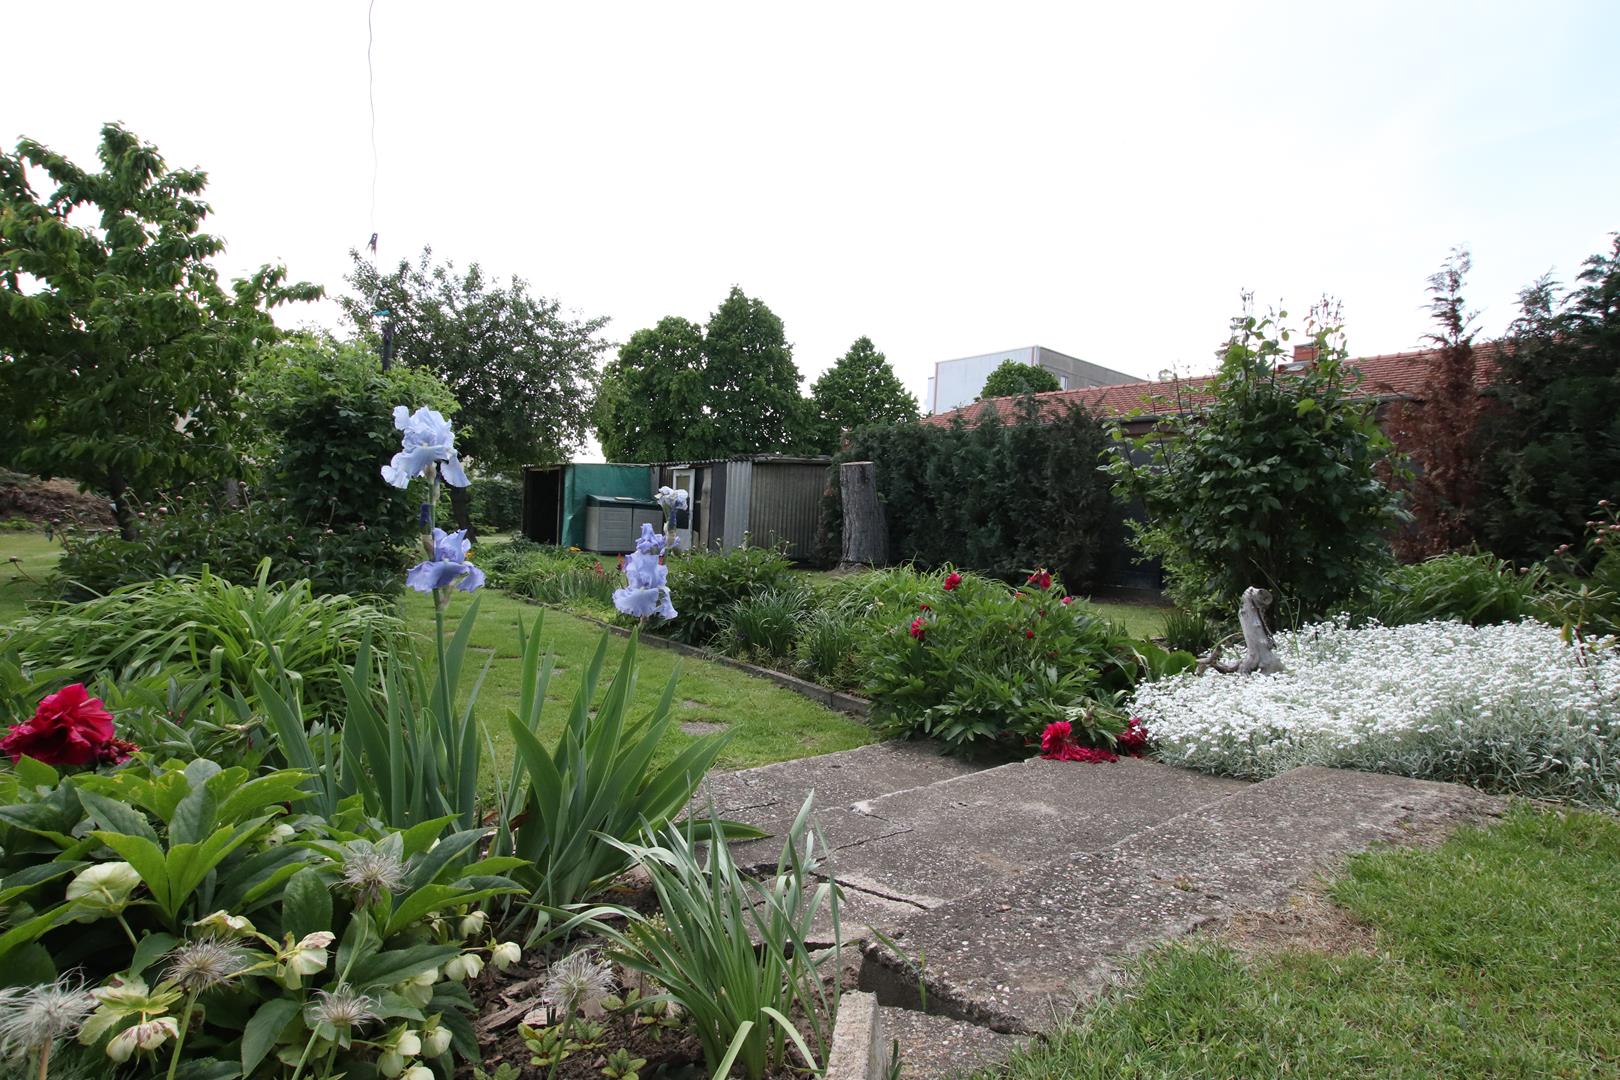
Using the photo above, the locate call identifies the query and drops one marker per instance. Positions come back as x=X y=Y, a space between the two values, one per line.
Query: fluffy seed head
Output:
x=202 y=965
x=34 y=1017
x=576 y=979
x=342 y=1008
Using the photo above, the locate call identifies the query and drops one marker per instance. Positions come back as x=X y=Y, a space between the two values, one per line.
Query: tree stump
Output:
x=1260 y=653
x=866 y=538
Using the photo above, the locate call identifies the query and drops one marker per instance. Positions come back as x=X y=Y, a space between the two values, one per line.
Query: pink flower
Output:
x=918 y=628
x=1067 y=600
x=1041 y=579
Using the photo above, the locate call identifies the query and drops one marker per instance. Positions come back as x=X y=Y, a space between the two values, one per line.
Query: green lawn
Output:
x=1497 y=955
x=1141 y=620
x=26 y=560
x=767 y=722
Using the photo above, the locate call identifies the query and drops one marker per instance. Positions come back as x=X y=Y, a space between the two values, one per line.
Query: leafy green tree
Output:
x=1273 y=482
x=1013 y=378
x=326 y=410
x=119 y=349
x=860 y=389
x=1550 y=436
x=752 y=403
x=651 y=400
x=523 y=373
x=678 y=391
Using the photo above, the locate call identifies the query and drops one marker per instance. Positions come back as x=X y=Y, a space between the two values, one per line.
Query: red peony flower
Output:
x=1057 y=744
x=1133 y=740
x=952 y=580
x=1055 y=737
x=1041 y=579
x=1067 y=600
x=924 y=607
x=69 y=728
x=918 y=628
x=1029 y=633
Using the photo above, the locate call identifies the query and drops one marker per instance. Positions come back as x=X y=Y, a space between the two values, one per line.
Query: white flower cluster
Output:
x=1509 y=707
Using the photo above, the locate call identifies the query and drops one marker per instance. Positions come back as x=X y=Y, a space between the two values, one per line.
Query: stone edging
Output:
x=857 y=1051
x=848 y=704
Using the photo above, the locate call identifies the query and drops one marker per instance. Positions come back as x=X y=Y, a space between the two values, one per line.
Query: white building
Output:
x=955 y=383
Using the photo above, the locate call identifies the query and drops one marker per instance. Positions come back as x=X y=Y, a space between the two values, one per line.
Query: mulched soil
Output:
x=50 y=502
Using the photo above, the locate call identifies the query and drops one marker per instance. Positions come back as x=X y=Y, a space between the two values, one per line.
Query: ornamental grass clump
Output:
x=1510 y=708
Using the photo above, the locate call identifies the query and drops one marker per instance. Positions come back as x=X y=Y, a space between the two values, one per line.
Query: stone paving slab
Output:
x=1019 y=955
x=769 y=797
x=963 y=834
x=939 y=1048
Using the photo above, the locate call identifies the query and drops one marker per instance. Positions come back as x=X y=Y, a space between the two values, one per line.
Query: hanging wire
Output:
x=379 y=312
x=371 y=97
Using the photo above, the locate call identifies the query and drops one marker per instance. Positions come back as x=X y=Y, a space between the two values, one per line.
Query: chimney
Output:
x=1304 y=355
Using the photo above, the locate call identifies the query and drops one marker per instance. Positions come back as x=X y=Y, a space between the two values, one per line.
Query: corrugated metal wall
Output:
x=784 y=504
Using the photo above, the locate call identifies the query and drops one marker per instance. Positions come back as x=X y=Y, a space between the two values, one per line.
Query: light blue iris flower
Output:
x=427 y=439
x=449 y=565
x=647 y=591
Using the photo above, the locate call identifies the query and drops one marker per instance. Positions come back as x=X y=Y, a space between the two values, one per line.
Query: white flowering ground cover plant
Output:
x=1509 y=708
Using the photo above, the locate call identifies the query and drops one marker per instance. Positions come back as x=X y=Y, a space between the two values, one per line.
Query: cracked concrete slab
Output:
x=962 y=835
x=1019 y=955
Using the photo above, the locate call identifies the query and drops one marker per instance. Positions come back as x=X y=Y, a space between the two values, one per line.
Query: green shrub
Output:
x=1582 y=590
x=497 y=503
x=984 y=667
x=1273 y=480
x=186 y=535
x=1477 y=589
x=706 y=585
x=828 y=649
x=550 y=575
x=191 y=628
x=766 y=624
x=1188 y=632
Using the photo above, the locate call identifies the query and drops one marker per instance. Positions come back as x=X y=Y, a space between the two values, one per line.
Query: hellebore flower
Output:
x=427 y=439
x=952 y=580
x=646 y=591
x=103 y=890
x=68 y=728
x=449 y=565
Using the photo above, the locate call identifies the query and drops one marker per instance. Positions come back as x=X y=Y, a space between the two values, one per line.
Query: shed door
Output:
x=688 y=527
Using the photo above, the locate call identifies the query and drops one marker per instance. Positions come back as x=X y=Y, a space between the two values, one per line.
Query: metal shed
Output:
x=765 y=499
x=554 y=497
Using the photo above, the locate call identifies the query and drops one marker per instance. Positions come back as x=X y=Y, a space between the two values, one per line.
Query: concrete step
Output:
x=769 y=797
x=1020 y=952
x=929 y=845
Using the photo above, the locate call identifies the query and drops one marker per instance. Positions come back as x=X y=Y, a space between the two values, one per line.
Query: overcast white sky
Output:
x=948 y=179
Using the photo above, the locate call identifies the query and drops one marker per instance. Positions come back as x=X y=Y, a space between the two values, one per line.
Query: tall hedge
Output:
x=1006 y=496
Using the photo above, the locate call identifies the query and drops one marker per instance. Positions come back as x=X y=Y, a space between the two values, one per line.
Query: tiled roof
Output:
x=1388 y=375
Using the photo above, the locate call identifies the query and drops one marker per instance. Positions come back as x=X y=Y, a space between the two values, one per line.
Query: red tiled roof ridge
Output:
x=1384 y=375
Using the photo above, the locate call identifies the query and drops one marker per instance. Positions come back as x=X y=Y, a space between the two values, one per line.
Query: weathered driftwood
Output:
x=866 y=539
x=1260 y=653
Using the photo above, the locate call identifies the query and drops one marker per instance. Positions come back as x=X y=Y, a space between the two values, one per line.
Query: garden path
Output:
x=1024 y=887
